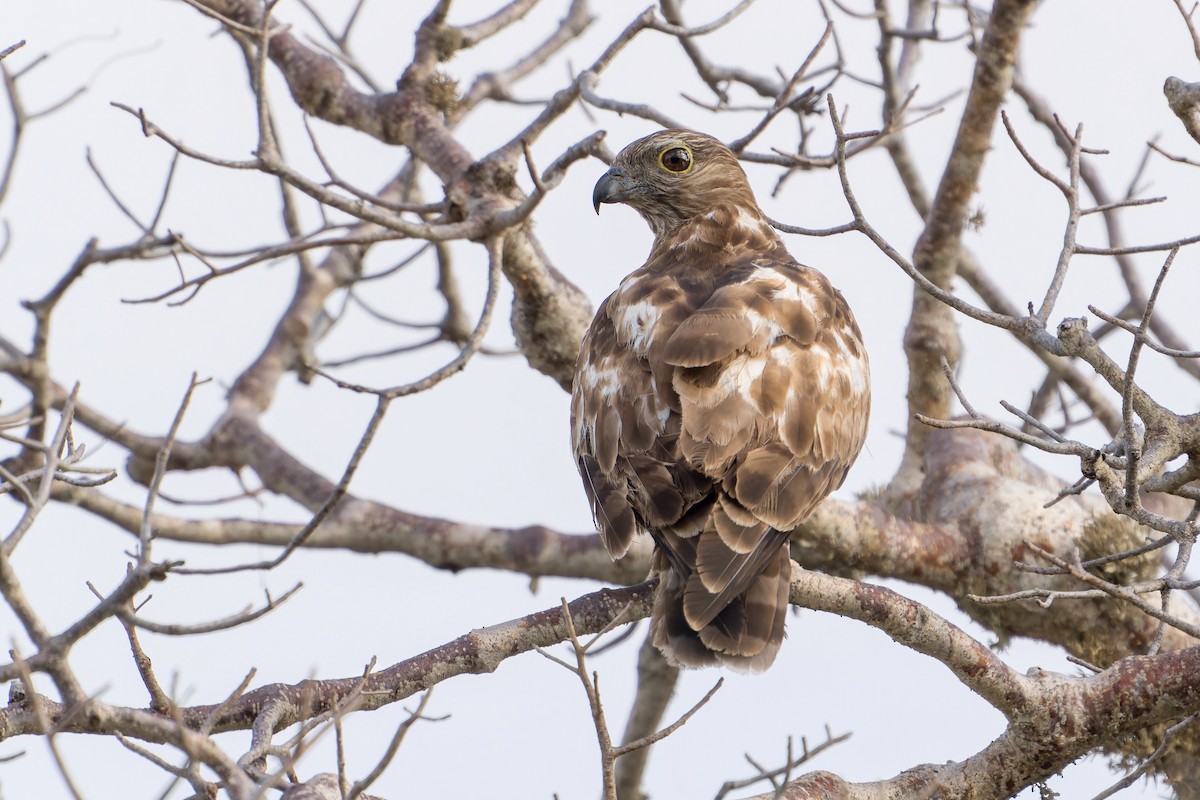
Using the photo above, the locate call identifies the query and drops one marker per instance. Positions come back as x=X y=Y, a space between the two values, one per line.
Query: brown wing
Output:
x=625 y=420
x=784 y=403
x=775 y=415
x=717 y=416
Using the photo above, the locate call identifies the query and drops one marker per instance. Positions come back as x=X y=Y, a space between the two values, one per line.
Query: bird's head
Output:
x=672 y=177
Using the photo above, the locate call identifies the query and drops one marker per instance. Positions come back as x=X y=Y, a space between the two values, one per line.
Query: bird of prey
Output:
x=722 y=392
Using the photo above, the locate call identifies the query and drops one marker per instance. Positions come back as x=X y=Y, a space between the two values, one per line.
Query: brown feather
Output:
x=744 y=626
x=610 y=507
x=739 y=532
x=719 y=328
x=722 y=392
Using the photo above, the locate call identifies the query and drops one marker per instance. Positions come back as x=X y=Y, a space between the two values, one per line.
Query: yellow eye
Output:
x=676 y=159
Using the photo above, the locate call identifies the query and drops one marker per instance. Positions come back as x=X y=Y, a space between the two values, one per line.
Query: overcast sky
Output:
x=490 y=445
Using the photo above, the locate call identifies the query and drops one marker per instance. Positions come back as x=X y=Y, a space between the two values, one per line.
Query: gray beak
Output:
x=613 y=187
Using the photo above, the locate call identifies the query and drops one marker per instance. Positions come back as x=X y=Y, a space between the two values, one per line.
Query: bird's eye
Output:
x=675 y=159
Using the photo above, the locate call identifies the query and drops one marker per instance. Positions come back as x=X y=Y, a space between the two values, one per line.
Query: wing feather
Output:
x=625 y=435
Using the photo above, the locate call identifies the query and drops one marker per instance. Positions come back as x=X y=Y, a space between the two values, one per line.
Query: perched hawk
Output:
x=722 y=392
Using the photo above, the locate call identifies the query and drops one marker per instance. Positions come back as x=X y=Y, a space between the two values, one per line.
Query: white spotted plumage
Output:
x=722 y=392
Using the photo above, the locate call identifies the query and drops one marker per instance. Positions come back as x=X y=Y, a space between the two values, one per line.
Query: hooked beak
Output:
x=613 y=187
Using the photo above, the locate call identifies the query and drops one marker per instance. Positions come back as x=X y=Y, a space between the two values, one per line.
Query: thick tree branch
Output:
x=931 y=334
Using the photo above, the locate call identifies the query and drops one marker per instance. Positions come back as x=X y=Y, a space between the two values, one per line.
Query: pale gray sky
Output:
x=505 y=460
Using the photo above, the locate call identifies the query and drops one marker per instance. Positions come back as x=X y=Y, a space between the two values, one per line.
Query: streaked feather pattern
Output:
x=722 y=393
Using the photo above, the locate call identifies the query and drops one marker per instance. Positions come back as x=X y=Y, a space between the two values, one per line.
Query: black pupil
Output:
x=677 y=159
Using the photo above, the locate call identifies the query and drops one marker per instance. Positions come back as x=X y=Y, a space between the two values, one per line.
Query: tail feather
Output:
x=745 y=634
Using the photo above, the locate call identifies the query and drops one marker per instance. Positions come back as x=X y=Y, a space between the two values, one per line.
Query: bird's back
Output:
x=722 y=393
